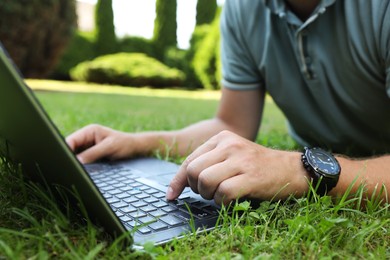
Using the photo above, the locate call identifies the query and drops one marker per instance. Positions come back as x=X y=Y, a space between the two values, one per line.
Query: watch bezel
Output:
x=314 y=164
x=324 y=180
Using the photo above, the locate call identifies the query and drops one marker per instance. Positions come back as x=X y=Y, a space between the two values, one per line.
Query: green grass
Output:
x=33 y=226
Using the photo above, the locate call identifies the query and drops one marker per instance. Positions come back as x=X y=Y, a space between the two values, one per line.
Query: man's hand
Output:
x=228 y=167
x=95 y=142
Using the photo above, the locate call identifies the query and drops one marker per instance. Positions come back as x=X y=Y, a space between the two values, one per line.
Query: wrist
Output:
x=147 y=143
x=296 y=180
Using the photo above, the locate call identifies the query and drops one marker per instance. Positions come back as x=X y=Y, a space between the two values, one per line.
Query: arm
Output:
x=239 y=111
x=228 y=167
x=372 y=173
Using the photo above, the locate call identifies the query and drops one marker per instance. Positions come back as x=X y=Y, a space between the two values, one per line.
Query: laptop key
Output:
x=122 y=195
x=120 y=204
x=150 y=200
x=130 y=199
x=114 y=192
x=160 y=204
x=112 y=200
x=168 y=208
x=157 y=213
x=128 y=209
x=159 y=195
x=139 y=204
x=159 y=225
x=151 y=191
x=211 y=209
x=137 y=214
x=147 y=220
x=142 y=196
x=182 y=215
x=172 y=221
x=134 y=192
x=148 y=208
x=125 y=218
x=198 y=213
x=144 y=230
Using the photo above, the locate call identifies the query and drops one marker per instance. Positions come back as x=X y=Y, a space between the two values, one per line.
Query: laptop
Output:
x=123 y=196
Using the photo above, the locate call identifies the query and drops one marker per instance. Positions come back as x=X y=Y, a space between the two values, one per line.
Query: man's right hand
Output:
x=95 y=142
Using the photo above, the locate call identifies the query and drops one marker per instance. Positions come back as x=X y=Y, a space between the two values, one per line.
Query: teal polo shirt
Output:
x=330 y=75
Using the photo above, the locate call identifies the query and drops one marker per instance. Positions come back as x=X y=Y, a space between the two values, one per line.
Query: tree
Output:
x=205 y=11
x=165 y=26
x=105 y=29
x=36 y=32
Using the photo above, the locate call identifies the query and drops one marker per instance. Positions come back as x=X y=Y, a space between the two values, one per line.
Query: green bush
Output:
x=128 y=69
x=175 y=58
x=197 y=37
x=206 y=61
x=81 y=48
x=205 y=11
x=105 y=30
x=136 y=44
x=165 y=26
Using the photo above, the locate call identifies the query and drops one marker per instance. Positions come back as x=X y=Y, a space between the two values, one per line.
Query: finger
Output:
x=198 y=170
x=177 y=184
x=83 y=138
x=180 y=180
x=232 y=189
x=96 y=152
x=211 y=177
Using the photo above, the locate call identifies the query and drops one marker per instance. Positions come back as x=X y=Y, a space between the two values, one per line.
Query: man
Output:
x=327 y=66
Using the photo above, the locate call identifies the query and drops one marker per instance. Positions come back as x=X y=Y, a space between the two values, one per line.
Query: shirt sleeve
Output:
x=239 y=71
x=385 y=45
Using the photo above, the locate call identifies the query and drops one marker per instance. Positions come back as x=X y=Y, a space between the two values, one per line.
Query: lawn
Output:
x=32 y=226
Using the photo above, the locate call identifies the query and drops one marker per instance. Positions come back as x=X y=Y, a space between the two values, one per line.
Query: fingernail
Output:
x=80 y=159
x=169 y=195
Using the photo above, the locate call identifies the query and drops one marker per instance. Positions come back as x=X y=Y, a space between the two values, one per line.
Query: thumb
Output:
x=177 y=185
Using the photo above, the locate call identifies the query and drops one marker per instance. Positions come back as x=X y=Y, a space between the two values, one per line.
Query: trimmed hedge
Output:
x=136 y=44
x=128 y=69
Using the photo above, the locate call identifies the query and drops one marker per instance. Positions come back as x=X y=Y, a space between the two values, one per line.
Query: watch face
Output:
x=323 y=162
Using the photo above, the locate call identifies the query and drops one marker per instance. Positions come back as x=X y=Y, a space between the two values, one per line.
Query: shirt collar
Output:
x=279 y=8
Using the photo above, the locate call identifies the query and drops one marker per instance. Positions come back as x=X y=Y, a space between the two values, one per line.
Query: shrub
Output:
x=205 y=11
x=165 y=26
x=136 y=44
x=36 y=32
x=197 y=37
x=80 y=48
x=206 y=62
x=128 y=69
x=105 y=29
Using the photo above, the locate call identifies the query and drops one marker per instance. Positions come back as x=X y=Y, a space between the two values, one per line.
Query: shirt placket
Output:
x=301 y=41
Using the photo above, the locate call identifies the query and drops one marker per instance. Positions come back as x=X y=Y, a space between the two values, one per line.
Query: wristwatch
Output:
x=323 y=169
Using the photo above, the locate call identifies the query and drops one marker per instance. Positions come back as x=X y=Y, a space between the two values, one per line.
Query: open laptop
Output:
x=124 y=196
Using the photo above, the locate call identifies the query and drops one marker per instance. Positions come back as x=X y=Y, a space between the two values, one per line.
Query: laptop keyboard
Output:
x=143 y=207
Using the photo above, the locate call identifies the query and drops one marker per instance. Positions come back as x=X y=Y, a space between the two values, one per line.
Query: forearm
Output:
x=372 y=174
x=179 y=142
x=238 y=112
